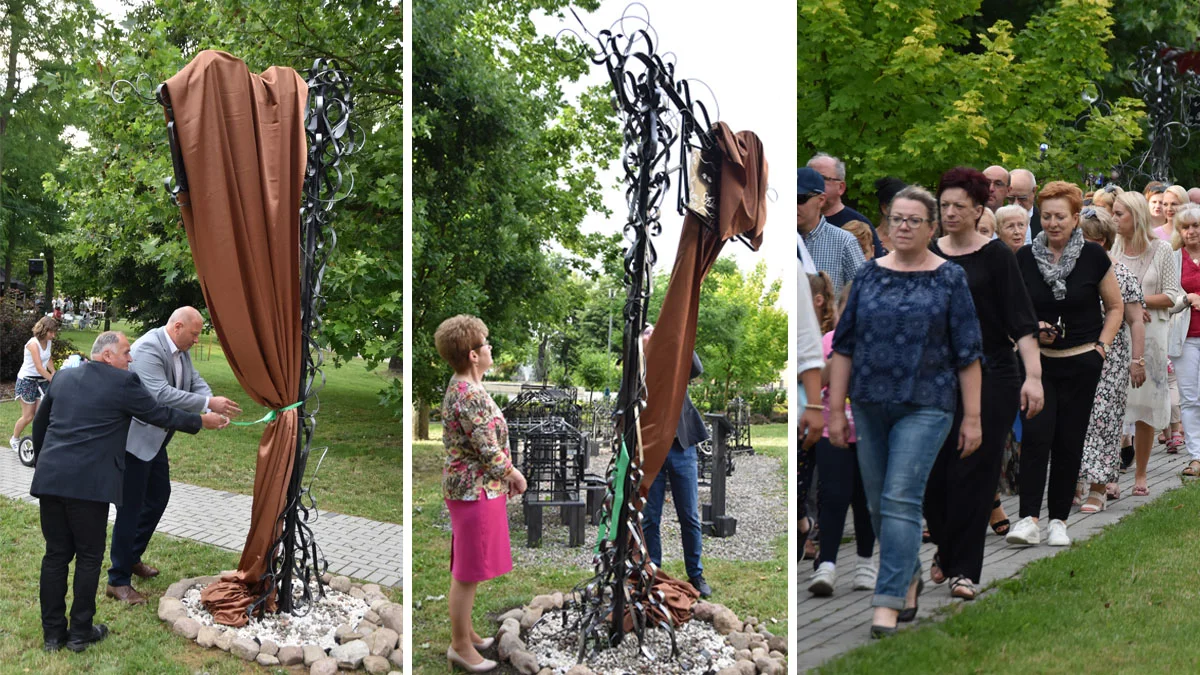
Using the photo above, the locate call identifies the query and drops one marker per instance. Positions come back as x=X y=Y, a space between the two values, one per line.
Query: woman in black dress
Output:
x=960 y=494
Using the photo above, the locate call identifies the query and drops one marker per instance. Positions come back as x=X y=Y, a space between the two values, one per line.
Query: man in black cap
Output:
x=834 y=250
x=79 y=442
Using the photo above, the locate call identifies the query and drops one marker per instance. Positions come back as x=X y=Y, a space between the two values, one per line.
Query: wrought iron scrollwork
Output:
x=1172 y=98
x=660 y=120
x=331 y=139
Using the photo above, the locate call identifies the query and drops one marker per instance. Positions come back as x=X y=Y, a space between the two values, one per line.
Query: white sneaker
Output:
x=864 y=575
x=1056 y=534
x=14 y=443
x=821 y=582
x=1025 y=533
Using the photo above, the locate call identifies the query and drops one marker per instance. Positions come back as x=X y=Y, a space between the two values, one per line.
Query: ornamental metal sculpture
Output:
x=1171 y=93
x=331 y=138
x=660 y=119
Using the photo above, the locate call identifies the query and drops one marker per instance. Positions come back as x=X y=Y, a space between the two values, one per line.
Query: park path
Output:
x=353 y=546
x=827 y=627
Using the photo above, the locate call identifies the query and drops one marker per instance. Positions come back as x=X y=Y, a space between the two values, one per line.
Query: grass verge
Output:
x=1123 y=601
x=363 y=473
x=749 y=588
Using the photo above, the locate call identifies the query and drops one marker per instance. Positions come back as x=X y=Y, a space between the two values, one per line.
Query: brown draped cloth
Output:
x=742 y=209
x=242 y=140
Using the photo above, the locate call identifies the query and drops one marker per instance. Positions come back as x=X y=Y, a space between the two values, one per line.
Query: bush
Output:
x=16 y=327
x=61 y=349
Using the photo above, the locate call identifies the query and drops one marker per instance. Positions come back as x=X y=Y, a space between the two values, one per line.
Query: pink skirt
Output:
x=479 y=543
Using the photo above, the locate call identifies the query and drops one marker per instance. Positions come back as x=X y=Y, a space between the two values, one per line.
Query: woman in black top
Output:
x=959 y=494
x=1067 y=279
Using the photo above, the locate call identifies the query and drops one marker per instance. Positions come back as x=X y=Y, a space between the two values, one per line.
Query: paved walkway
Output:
x=827 y=627
x=355 y=547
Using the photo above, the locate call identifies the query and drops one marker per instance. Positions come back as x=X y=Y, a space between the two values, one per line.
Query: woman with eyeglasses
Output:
x=477 y=477
x=1187 y=244
x=959 y=496
x=1078 y=305
x=1152 y=262
x=906 y=351
x=1124 y=368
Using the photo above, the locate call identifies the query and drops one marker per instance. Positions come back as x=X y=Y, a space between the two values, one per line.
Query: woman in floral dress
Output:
x=477 y=477
x=1125 y=367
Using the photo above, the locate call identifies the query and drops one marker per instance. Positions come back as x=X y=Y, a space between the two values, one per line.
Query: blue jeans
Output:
x=897 y=445
x=681 y=468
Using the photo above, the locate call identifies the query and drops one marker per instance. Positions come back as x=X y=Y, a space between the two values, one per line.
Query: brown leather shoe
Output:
x=125 y=594
x=144 y=571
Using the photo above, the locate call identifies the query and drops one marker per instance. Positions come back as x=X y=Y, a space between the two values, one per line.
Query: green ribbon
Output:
x=608 y=528
x=270 y=416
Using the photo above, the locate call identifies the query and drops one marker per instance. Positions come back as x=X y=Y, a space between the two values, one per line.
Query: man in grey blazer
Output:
x=162 y=361
x=79 y=439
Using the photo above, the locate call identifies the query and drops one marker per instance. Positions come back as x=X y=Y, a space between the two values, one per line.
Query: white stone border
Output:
x=756 y=649
x=374 y=645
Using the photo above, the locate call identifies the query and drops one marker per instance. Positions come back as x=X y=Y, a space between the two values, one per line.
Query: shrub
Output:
x=16 y=327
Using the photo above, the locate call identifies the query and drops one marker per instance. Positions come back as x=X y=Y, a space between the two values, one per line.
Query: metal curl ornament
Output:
x=667 y=134
x=1171 y=95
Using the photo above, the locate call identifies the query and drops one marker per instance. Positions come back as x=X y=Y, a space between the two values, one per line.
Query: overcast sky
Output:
x=747 y=56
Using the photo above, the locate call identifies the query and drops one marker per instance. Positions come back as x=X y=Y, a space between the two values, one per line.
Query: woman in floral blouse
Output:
x=476 y=479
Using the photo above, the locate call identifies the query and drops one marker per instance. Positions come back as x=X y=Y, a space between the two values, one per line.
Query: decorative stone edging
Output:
x=372 y=645
x=756 y=649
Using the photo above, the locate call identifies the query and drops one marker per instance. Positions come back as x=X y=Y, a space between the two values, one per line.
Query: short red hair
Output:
x=1061 y=189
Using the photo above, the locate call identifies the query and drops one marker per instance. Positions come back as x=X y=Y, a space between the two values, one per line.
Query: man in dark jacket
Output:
x=681 y=468
x=79 y=440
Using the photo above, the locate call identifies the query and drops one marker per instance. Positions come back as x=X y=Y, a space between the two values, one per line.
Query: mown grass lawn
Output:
x=363 y=472
x=750 y=588
x=1124 y=601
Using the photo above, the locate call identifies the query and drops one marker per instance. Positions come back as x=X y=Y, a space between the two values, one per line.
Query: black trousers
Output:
x=960 y=491
x=841 y=487
x=73 y=529
x=146 y=491
x=1056 y=436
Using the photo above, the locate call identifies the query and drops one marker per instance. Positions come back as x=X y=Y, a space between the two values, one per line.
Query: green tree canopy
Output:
x=892 y=88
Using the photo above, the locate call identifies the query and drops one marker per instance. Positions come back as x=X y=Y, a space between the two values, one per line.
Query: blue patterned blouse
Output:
x=908 y=334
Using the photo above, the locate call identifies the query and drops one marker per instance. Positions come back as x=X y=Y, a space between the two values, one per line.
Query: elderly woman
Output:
x=477 y=477
x=1011 y=221
x=1187 y=364
x=987 y=224
x=960 y=493
x=1123 y=368
x=906 y=350
x=1151 y=261
x=1068 y=279
x=36 y=368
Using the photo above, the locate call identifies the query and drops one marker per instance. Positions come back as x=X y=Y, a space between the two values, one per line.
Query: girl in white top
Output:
x=36 y=366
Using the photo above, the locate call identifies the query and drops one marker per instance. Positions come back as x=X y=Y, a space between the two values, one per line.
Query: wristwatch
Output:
x=1107 y=347
x=1141 y=361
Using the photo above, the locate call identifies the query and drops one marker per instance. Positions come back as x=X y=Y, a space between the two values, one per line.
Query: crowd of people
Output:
x=988 y=325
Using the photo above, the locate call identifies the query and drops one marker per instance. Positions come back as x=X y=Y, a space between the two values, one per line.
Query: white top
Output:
x=28 y=370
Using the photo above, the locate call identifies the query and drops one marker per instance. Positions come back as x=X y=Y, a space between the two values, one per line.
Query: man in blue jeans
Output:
x=681 y=469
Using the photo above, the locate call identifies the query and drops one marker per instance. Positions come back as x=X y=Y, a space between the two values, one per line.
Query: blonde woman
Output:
x=1186 y=239
x=477 y=477
x=987 y=223
x=1151 y=261
x=862 y=232
x=36 y=368
x=1172 y=198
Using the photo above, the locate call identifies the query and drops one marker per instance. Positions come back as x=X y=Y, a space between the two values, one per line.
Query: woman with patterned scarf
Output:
x=1067 y=279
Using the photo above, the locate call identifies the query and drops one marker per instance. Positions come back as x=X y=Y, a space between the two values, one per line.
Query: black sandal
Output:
x=1000 y=527
x=963 y=588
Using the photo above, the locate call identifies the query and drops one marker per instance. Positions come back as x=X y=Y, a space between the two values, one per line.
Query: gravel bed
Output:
x=701 y=650
x=755 y=494
x=316 y=627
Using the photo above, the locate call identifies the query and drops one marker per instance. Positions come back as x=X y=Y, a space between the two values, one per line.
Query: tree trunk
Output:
x=396 y=364
x=49 y=251
x=8 y=252
x=421 y=424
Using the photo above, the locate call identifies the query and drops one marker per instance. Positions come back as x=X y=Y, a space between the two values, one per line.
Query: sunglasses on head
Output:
x=801 y=200
x=1157 y=189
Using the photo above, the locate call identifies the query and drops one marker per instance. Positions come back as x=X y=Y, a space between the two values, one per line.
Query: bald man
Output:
x=1022 y=191
x=1194 y=195
x=997 y=186
x=161 y=360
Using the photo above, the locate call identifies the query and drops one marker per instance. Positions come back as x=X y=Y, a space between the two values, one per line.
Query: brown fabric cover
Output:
x=242 y=140
x=678 y=598
x=742 y=210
